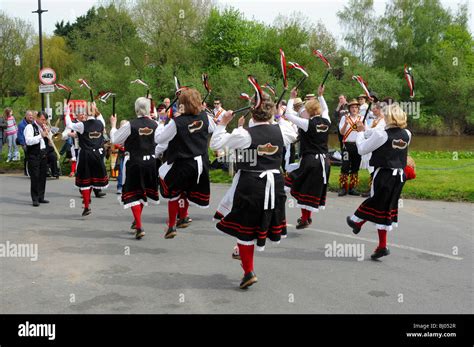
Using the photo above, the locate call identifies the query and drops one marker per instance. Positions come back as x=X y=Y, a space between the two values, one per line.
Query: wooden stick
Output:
x=325 y=77
x=367 y=112
x=281 y=96
x=113 y=105
x=300 y=82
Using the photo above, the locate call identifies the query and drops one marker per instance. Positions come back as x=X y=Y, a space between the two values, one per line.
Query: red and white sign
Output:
x=47 y=76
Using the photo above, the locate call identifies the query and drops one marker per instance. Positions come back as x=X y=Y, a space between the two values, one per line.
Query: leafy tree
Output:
x=15 y=37
x=358 y=18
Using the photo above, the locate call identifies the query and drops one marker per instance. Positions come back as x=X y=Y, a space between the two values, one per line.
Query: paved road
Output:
x=83 y=265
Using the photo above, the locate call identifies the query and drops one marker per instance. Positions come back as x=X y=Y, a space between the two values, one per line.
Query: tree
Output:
x=359 y=20
x=409 y=32
x=15 y=37
x=56 y=55
x=171 y=29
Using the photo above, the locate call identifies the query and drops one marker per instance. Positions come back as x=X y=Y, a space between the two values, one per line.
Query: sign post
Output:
x=47 y=77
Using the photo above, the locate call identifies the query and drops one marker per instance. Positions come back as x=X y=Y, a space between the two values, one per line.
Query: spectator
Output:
x=11 y=134
x=20 y=140
x=3 y=125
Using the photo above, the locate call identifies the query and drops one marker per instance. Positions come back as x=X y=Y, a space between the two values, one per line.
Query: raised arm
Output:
x=239 y=138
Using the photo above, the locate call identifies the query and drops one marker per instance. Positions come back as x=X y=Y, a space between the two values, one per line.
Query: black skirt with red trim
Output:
x=90 y=170
x=140 y=182
x=382 y=207
x=307 y=183
x=248 y=220
x=183 y=178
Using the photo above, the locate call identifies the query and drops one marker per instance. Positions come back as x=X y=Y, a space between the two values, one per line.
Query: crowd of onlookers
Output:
x=12 y=135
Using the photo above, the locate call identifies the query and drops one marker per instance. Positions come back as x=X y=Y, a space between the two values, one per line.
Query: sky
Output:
x=262 y=10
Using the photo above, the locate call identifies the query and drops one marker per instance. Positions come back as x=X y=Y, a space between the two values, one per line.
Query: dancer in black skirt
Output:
x=309 y=182
x=389 y=149
x=139 y=176
x=186 y=169
x=91 y=172
x=258 y=208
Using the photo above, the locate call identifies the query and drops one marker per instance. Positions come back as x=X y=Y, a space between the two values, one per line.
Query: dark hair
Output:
x=42 y=113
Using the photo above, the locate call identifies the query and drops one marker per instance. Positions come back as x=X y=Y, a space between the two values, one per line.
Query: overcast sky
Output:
x=262 y=10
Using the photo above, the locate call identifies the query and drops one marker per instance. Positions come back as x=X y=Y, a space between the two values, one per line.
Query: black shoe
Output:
x=354 y=192
x=302 y=225
x=353 y=225
x=170 y=233
x=133 y=226
x=379 y=253
x=43 y=201
x=36 y=203
x=86 y=212
x=342 y=192
x=248 y=280
x=218 y=216
x=99 y=194
x=139 y=233
x=183 y=222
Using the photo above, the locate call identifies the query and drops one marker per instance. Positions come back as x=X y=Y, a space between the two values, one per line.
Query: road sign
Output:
x=47 y=76
x=46 y=88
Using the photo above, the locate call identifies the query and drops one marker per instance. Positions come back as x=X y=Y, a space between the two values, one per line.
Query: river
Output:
x=430 y=143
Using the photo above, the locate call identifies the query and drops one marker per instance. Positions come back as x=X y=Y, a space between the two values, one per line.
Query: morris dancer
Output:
x=91 y=172
x=139 y=174
x=183 y=203
x=186 y=169
x=77 y=114
x=258 y=210
x=309 y=181
x=389 y=149
x=350 y=158
x=218 y=111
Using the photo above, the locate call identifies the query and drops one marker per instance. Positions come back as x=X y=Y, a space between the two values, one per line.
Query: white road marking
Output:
x=452 y=257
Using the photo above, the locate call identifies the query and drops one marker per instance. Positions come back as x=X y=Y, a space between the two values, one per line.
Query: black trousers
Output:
x=37 y=168
x=350 y=158
x=53 y=163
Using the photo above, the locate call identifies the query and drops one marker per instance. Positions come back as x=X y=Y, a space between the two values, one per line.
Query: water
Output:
x=429 y=143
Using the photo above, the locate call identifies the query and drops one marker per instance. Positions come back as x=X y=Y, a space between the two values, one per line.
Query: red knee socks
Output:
x=173 y=207
x=360 y=224
x=382 y=238
x=86 y=197
x=137 y=214
x=246 y=256
x=73 y=167
x=183 y=207
x=305 y=215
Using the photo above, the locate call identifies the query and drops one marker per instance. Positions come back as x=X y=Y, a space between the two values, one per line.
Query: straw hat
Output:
x=353 y=102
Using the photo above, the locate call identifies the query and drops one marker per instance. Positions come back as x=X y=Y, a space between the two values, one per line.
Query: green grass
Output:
x=444 y=176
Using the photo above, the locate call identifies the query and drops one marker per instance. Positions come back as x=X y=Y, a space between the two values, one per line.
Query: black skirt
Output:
x=382 y=206
x=248 y=220
x=140 y=182
x=183 y=177
x=91 y=171
x=307 y=184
